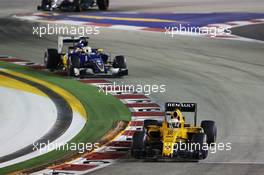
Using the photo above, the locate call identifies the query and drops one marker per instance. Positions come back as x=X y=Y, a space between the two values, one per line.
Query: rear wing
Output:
x=68 y=39
x=183 y=107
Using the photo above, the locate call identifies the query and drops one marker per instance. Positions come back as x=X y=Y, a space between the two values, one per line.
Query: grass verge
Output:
x=102 y=110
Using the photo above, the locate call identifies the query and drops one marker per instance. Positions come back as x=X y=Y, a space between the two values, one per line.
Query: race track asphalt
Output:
x=225 y=78
x=252 y=31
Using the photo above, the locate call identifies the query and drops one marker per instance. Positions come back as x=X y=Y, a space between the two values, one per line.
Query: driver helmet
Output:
x=174 y=119
x=175 y=123
x=88 y=49
x=83 y=42
x=175 y=114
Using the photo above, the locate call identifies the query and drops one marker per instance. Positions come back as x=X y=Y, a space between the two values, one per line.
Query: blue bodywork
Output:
x=47 y=5
x=93 y=60
x=81 y=59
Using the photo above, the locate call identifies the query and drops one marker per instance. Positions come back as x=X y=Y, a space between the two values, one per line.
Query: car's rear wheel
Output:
x=210 y=130
x=150 y=122
x=44 y=4
x=103 y=4
x=51 y=59
x=199 y=146
x=138 y=144
x=78 y=6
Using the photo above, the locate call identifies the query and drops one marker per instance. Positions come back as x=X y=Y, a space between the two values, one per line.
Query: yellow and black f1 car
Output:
x=174 y=137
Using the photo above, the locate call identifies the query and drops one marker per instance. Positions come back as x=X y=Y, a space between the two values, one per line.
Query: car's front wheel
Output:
x=120 y=62
x=199 y=146
x=138 y=145
x=210 y=130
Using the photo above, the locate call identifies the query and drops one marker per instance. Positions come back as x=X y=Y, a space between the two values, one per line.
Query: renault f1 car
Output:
x=73 y=5
x=81 y=60
x=173 y=137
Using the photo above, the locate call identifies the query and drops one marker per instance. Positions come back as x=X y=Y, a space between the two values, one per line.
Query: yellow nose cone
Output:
x=167 y=149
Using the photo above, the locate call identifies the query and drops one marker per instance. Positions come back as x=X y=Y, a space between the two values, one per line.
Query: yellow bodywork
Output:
x=64 y=61
x=171 y=136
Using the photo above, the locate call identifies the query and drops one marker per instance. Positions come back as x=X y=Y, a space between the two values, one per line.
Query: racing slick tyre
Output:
x=210 y=130
x=51 y=59
x=150 y=122
x=74 y=63
x=198 y=143
x=78 y=5
x=138 y=144
x=44 y=5
x=103 y=4
x=120 y=62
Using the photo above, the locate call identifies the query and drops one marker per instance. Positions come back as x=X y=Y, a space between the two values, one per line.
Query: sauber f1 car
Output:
x=173 y=137
x=73 y=5
x=81 y=60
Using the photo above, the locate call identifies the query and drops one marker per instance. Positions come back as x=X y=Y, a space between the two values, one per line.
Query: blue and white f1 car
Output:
x=80 y=59
x=73 y=5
